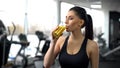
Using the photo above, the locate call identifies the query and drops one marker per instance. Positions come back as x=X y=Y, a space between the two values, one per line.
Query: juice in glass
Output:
x=59 y=31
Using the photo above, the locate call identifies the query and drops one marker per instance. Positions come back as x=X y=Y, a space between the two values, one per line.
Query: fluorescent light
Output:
x=96 y=6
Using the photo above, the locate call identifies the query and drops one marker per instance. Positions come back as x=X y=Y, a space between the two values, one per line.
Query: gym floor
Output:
x=105 y=64
x=102 y=64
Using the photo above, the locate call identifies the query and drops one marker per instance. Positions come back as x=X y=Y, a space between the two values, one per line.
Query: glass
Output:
x=59 y=30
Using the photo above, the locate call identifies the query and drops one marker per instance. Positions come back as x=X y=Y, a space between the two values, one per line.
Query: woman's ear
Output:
x=81 y=23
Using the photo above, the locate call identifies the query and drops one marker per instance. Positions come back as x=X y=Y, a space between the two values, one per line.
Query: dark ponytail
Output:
x=81 y=13
x=89 y=27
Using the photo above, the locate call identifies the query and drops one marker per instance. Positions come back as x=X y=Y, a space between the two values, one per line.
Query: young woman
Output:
x=75 y=50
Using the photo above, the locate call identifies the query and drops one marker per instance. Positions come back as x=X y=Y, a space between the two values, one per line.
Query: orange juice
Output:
x=59 y=31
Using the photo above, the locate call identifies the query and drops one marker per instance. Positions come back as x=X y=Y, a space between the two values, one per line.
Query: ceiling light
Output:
x=96 y=6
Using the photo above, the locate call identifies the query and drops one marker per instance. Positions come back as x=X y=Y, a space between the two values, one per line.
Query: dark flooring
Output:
x=39 y=64
x=109 y=65
x=104 y=63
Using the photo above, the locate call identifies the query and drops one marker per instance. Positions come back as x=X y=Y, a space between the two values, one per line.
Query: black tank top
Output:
x=79 y=60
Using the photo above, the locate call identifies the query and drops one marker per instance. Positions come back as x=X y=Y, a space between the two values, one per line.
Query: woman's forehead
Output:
x=71 y=13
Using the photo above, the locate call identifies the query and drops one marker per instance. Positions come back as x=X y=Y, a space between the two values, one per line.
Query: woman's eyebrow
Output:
x=69 y=16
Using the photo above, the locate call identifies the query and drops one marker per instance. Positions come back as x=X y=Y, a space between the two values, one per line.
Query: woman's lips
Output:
x=66 y=28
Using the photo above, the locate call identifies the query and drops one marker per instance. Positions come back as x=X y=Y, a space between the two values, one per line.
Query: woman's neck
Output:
x=77 y=35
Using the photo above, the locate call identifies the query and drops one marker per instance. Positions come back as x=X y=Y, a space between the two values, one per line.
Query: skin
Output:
x=73 y=25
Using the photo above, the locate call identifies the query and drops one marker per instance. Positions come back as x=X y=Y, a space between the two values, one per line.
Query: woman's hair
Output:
x=81 y=13
x=89 y=28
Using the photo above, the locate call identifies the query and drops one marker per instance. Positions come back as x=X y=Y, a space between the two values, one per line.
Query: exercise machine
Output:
x=107 y=53
x=38 y=63
x=21 y=60
x=5 y=44
x=45 y=46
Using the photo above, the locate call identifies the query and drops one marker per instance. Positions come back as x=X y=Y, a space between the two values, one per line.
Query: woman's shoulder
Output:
x=61 y=40
x=92 y=45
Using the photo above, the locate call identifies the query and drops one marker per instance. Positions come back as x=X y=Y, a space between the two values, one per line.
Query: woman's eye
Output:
x=70 y=18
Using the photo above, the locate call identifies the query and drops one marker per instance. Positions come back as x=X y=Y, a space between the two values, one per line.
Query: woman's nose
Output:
x=66 y=22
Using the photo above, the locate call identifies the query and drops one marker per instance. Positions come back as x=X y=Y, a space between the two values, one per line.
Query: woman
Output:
x=75 y=50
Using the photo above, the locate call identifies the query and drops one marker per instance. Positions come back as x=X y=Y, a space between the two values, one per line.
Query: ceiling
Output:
x=86 y=3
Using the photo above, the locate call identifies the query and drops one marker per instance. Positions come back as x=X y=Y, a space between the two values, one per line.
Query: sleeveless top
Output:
x=78 y=60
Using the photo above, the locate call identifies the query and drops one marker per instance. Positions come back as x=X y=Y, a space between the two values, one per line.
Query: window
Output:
x=28 y=16
x=41 y=15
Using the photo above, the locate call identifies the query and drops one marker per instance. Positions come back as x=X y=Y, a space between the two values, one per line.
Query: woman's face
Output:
x=73 y=22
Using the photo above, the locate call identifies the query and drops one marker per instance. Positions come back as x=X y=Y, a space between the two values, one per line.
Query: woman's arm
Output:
x=51 y=55
x=94 y=55
x=53 y=50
